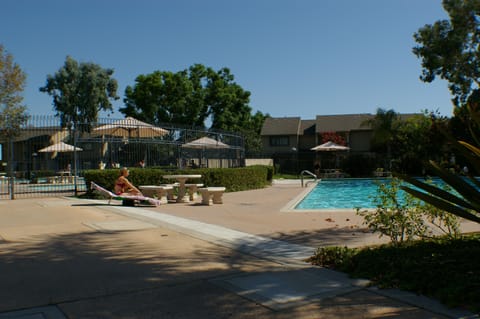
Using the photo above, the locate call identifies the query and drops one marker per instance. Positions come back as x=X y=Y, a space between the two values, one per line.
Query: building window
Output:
x=279 y=141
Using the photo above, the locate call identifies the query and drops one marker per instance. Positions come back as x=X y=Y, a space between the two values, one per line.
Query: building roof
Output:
x=281 y=126
x=342 y=122
x=322 y=123
x=307 y=127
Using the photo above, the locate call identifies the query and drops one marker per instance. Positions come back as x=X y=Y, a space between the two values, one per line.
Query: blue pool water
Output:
x=342 y=193
x=351 y=193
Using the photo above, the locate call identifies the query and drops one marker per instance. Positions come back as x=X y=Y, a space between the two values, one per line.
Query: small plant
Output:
x=395 y=218
x=404 y=218
x=447 y=223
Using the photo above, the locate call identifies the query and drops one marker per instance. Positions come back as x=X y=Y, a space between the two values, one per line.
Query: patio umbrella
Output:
x=204 y=143
x=129 y=127
x=330 y=147
x=59 y=147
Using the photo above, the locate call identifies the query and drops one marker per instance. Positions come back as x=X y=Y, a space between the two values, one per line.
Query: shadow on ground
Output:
x=347 y=236
x=145 y=274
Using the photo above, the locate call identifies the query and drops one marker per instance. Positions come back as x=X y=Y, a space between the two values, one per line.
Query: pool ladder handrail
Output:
x=307 y=172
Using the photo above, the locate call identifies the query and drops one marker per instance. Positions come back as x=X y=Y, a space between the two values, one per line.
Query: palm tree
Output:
x=383 y=126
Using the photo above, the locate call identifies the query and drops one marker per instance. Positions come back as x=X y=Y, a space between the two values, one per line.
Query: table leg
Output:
x=182 y=190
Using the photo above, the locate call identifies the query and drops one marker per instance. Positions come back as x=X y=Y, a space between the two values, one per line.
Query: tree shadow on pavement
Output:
x=152 y=273
x=346 y=236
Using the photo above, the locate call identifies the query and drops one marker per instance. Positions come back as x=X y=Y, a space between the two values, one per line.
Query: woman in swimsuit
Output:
x=123 y=185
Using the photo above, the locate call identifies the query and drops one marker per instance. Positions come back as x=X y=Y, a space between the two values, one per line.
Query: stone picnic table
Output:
x=182 y=179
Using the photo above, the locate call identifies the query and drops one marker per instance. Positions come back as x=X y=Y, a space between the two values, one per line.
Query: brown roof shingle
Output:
x=281 y=126
x=341 y=123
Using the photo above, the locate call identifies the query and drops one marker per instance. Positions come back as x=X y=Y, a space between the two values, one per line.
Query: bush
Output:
x=333 y=257
x=442 y=268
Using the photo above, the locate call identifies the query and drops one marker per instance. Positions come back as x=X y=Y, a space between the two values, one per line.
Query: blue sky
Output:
x=297 y=57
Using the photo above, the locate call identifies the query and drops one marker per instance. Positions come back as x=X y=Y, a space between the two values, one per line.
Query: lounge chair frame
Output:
x=112 y=195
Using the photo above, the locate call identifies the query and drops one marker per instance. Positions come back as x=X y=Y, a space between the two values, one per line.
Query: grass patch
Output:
x=445 y=269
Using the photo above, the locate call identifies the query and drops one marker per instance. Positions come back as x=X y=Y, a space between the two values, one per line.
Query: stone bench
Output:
x=192 y=190
x=212 y=195
x=162 y=192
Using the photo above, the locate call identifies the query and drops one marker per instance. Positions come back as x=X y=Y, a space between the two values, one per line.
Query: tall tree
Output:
x=251 y=133
x=12 y=113
x=383 y=126
x=167 y=97
x=228 y=102
x=449 y=49
x=12 y=82
x=80 y=91
x=190 y=96
x=417 y=140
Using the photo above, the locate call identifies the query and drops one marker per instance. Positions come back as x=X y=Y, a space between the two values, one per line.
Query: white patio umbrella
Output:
x=330 y=147
x=204 y=143
x=129 y=127
x=60 y=147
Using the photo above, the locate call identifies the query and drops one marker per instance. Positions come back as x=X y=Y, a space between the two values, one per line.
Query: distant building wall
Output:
x=258 y=161
x=359 y=141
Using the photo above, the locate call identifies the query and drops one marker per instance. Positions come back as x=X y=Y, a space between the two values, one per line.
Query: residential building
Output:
x=289 y=139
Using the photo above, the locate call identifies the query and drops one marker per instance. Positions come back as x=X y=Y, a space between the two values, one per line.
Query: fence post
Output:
x=11 y=180
x=75 y=158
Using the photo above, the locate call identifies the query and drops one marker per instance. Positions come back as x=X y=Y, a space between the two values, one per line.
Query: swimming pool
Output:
x=342 y=193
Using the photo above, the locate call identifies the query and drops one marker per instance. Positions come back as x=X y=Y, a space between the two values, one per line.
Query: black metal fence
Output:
x=45 y=158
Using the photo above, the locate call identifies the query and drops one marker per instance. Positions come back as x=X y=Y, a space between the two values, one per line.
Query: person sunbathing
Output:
x=123 y=185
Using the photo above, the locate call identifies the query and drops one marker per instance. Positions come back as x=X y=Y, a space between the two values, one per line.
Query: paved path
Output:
x=63 y=258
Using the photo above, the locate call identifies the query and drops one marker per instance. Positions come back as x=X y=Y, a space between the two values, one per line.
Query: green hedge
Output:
x=233 y=179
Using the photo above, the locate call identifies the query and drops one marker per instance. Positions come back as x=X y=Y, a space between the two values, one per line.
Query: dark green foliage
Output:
x=13 y=114
x=190 y=96
x=449 y=49
x=358 y=165
x=384 y=129
x=467 y=203
x=333 y=257
x=80 y=91
x=448 y=270
x=404 y=141
x=237 y=179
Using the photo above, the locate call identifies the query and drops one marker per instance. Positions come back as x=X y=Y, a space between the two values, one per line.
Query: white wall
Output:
x=258 y=161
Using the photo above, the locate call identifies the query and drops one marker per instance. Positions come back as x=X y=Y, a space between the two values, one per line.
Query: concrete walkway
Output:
x=64 y=258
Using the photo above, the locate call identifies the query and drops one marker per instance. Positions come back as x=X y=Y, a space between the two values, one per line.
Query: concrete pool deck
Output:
x=70 y=258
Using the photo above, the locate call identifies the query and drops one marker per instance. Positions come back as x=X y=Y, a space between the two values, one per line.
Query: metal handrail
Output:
x=308 y=173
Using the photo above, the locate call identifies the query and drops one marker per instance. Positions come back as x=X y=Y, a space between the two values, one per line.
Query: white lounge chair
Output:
x=112 y=195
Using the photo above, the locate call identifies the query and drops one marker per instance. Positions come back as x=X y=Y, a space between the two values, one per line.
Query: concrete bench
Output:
x=212 y=195
x=162 y=192
x=192 y=190
x=171 y=188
